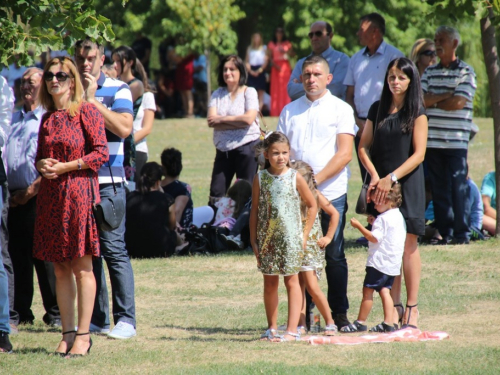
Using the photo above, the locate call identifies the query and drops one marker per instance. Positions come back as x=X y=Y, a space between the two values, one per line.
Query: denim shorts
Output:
x=377 y=280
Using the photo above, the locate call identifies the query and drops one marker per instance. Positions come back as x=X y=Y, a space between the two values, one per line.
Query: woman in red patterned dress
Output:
x=71 y=148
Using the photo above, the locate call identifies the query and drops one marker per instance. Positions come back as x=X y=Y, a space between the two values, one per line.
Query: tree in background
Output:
x=30 y=27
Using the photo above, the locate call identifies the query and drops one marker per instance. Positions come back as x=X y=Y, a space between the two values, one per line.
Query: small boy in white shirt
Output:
x=386 y=243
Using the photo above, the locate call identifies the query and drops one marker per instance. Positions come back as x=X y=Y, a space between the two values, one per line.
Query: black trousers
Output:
x=240 y=162
x=21 y=226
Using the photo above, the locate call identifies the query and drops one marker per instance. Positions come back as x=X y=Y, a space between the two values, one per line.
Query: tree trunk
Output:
x=209 y=76
x=488 y=39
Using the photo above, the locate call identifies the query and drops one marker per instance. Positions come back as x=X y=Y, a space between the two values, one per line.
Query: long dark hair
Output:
x=283 y=38
x=413 y=101
x=150 y=174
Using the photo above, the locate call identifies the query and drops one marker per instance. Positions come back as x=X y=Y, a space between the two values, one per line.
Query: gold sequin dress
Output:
x=279 y=227
x=314 y=256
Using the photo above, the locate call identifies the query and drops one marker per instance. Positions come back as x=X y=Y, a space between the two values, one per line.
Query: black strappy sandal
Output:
x=62 y=354
x=74 y=355
x=356 y=326
x=406 y=325
x=400 y=316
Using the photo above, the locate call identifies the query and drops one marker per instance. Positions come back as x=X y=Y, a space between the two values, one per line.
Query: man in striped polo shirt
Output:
x=114 y=100
x=449 y=88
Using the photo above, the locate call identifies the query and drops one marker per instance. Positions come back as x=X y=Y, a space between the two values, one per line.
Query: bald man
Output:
x=320 y=35
x=23 y=181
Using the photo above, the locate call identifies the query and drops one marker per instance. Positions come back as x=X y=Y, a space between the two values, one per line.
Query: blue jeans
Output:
x=4 y=288
x=450 y=191
x=336 y=263
x=120 y=271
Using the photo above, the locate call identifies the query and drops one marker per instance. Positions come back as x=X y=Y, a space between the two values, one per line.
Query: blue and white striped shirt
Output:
x=116 y=96
x=450 y=129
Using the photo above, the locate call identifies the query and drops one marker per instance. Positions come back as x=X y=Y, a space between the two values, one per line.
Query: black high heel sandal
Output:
x=406 y=325
x=62 y=354
x=400 y=316
x=74 y=355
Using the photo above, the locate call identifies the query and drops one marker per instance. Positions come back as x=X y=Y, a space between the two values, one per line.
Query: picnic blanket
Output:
x=403 y=335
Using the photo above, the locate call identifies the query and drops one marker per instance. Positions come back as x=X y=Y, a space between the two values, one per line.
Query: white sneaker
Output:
x=97 y=329
x=122 y=331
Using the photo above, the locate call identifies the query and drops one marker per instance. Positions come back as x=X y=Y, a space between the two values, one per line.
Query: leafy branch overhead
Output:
x=37 y=25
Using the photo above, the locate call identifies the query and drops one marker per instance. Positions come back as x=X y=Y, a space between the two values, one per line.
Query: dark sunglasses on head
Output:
x=61 y=76
x=428 y=53
x=317 y=33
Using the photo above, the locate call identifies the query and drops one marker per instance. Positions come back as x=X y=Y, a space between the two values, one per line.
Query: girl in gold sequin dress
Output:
x=314 y=255
x=276 y=233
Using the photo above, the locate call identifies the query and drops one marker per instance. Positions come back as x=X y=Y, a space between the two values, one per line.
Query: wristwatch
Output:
x=394 y=179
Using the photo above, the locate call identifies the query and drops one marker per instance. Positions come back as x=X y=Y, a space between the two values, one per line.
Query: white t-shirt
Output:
x=312 y=128
x=386 y=255
x=257 y=57
x=148 y=102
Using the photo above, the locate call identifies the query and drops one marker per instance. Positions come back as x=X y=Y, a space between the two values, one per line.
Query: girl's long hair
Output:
x=240 y=192
x=413 y=101
x=274 y=137
x=69 y=67
x=151 y=173
x=307 y=172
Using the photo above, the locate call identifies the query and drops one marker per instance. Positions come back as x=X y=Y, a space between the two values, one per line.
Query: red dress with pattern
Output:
x=65 y=227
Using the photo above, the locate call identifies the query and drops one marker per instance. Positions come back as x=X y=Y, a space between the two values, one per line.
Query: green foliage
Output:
x=36 y=25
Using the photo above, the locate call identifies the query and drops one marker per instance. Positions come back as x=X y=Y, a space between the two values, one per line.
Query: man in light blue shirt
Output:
x=321 y=34
x=366 y=73
x=23 y=181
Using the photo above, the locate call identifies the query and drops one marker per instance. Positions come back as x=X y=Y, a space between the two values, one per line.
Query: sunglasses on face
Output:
x=61 y=76
x=317 y=33
x=429 y=53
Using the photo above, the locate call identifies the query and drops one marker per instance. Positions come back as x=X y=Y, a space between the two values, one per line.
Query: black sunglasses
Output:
x=317 y=33
x=428 y=52
x=61 y=76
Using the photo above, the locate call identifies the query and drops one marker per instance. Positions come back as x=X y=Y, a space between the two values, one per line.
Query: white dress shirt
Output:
x=312 y=128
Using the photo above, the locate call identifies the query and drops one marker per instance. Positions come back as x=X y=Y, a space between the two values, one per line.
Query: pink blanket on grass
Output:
x=407 y=334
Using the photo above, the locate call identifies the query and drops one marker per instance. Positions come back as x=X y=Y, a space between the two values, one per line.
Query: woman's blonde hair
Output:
x=307 y=172
x=419 y=46
x=76 y=99
x=261 y=41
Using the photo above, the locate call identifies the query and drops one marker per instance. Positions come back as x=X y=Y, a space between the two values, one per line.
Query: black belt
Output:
x=117 y=184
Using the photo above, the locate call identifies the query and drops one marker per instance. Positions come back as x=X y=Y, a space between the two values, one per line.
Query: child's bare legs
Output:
x=302 y=282
x=312 y=286
x=366 y=305
x=388 y=305
x=294 y=303
x=271 y=283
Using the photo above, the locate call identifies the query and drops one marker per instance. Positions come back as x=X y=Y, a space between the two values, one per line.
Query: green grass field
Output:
x=203 y=315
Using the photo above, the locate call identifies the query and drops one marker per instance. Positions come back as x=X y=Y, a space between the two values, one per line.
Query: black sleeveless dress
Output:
x=391 y=148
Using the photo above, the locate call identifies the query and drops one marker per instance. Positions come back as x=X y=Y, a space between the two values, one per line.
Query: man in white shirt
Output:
x=366 y=73
x=321 y=130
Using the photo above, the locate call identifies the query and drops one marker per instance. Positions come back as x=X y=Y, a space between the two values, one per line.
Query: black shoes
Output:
x=341 y=321
x=5 y=345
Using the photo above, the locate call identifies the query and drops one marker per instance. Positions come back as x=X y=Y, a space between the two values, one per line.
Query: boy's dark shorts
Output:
x=377 y=280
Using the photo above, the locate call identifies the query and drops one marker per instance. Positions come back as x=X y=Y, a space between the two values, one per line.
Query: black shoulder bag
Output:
x=110 y=211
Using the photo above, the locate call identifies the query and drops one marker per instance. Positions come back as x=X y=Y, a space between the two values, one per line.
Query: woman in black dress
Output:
x=392 y=149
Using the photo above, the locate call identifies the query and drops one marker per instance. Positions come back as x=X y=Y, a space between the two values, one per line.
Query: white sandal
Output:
x=269 y=334
x=283 y=338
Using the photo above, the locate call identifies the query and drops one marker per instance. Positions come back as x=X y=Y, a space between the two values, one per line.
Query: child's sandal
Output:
x=268 y=335
x=331 y=330
x=382 y=327
x=283 y=338
x=356 y=326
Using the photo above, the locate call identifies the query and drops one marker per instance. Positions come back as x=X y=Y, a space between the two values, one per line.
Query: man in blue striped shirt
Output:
x=114 y=100
x=449 y=88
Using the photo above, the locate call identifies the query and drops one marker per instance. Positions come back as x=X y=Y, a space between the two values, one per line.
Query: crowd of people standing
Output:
x=396 y=112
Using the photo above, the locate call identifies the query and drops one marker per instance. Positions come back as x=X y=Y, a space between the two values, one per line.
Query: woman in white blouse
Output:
x=232 y=113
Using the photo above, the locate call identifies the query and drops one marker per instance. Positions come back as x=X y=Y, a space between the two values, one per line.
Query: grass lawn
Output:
x=203 y=315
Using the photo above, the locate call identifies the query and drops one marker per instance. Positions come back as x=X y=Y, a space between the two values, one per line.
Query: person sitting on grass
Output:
x=489 y=198
x=386 y=243
x=171 y=160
